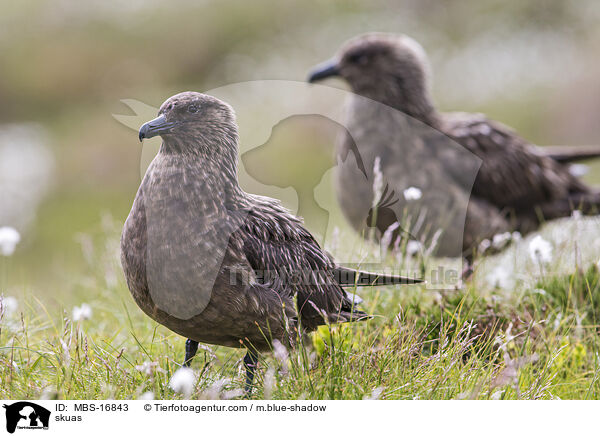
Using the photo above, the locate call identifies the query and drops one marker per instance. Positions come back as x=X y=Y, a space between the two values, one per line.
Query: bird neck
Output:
x=217 y=161
x=415 y=102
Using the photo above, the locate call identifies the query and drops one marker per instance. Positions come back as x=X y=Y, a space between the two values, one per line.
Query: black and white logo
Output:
x=26 y=415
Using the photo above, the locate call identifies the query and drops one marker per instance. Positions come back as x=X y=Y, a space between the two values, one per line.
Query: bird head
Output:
x=193 y=120
x=391 y=69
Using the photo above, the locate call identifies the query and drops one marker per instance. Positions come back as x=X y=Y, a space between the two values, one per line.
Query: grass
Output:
x=539 y=342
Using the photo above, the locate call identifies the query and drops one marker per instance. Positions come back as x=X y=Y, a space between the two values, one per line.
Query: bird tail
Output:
x=350 y=277
x=572 y=153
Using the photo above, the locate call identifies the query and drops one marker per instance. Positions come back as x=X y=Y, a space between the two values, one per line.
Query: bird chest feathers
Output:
x=188 y=231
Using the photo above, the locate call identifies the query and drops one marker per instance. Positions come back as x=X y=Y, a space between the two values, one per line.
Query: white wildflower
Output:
x=484 y=245
x=183 y=381
x=413 y=247
x=539 y=291
x=9 y=238
x=497 y=395
x=501 y=239
x=82 y=312
x=576 y=214
x=540 y=250
x=377 y=182
x=281 y=354
x=269 y=383
x=149 y=368
x=500 y=277
x=214 y=391
x=375 y=394
x=8 y=305
x=412 y=193
x=233 y=393
x=557 y=321
x=516 y=236
x=578 y=170
x=148 y=396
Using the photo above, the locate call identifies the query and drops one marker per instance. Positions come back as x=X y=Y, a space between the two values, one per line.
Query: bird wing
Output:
x=513 y=173
x=286 y=258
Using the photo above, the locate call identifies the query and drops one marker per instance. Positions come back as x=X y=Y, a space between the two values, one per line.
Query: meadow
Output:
x=525 y=326
x=538 y=340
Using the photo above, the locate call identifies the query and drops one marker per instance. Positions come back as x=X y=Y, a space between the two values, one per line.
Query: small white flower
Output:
x=557 y=321
x=497 y=395
x=215 y=391
x=183 y=381
x=516 y=236
x=279 y=351
x=500 y=277
x=578 y=170
x=281 y=354
x=484 y=245
x=269 y=383
x=412 y=193
x=82 y=312
x=233 y=393
x=8 y=305
x=540 y=250
x=576 y=214
x=149 y=368
x=413 y=247
x=148 y=396
x=375 y=394
x=501 y=239
x=539 y=291
x=9 y=238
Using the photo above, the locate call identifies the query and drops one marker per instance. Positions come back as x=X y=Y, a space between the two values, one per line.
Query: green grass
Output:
x=474 y=343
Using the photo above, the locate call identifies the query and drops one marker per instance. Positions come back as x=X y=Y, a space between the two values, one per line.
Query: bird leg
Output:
x=191 y=347
x=250 y=362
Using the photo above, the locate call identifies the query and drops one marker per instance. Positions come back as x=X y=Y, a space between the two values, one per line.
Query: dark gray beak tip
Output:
x=328 y=69
x=157 y=126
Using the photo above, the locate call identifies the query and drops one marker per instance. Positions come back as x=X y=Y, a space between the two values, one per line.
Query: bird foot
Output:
x=250 y=363
x=191 y=347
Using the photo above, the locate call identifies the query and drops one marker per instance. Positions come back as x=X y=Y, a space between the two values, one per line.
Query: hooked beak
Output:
x=156 y=127
x=324 y=70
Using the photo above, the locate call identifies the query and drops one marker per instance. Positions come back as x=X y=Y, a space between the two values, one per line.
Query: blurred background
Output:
x=69 y=171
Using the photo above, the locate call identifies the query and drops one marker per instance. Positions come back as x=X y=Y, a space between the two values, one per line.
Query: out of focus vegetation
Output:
x=65 y=66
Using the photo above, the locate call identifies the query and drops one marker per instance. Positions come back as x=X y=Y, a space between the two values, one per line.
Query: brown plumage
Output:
x=214 y=263
x=517 y=185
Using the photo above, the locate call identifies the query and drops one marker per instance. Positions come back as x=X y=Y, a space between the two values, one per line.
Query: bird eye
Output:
x=170 y=107
x=193 y=109
x=359 y=58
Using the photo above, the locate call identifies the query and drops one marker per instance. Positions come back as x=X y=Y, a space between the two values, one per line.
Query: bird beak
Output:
x=155 y=127
x=326 y=69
